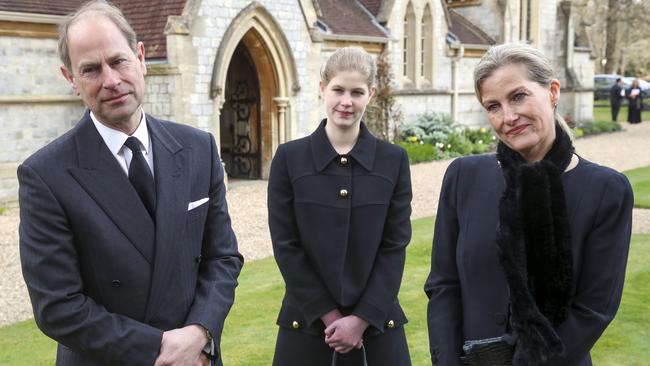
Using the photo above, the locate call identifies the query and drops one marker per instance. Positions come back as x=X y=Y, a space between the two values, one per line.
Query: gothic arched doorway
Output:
x=240 y=123
x=268 y=60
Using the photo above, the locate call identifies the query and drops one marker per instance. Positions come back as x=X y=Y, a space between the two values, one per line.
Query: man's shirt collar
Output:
x=115 y=139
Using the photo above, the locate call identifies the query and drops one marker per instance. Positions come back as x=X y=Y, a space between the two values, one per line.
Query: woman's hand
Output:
x=330 y=317
x=346 y=333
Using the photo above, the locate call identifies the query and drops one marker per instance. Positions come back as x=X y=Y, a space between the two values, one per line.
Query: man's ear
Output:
x=141 y=58
x=70 y=78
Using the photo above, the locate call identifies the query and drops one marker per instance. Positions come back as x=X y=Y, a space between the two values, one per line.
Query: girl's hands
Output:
x=346 y=333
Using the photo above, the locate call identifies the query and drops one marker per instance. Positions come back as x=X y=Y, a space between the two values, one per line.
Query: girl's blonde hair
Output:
x=349 y=59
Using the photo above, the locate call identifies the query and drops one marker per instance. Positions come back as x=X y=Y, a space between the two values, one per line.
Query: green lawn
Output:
x=603 y=112
x=640 y=180
x=249 y=336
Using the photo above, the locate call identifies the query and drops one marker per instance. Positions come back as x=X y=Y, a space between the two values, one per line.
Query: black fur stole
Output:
x=533 y=241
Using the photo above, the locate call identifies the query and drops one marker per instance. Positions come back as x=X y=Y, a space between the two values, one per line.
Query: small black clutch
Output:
x=497 y=351
x=363 y=355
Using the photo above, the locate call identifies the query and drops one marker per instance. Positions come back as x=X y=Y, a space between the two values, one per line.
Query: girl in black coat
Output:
x=530 y=243
x=339 y=215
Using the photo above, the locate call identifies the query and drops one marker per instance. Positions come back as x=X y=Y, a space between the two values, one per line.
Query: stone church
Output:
x=248 y=71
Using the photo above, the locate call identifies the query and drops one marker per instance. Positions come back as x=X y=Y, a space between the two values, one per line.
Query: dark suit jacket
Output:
x=467 y=289
x=337 y=251
x=104 y=281
x=615 y=94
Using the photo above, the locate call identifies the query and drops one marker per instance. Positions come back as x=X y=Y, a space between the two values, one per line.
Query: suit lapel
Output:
x=100 y=175
x=172 y=196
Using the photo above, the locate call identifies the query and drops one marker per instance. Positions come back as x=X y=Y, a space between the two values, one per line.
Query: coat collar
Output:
x=323 y=153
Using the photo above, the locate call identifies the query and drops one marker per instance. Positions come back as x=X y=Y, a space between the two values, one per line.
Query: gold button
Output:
x=295 y=324
x=390 y=324
x=343 y=193
x=344 y=160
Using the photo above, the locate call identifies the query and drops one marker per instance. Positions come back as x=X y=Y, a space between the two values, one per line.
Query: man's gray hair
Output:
x=95 y=8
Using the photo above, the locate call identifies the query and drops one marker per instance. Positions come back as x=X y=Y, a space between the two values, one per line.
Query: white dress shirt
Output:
x=115 y=140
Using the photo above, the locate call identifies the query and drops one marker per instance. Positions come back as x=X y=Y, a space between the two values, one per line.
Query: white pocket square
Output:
x=198 y=203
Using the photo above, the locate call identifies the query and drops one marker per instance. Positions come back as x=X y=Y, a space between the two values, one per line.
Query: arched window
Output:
x=409 y=43
x=426 y=47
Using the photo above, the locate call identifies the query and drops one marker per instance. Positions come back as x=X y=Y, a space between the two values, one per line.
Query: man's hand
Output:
x=182 y=347
x=346 y=333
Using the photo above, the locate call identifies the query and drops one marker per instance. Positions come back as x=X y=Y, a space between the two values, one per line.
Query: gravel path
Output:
x=247 y=199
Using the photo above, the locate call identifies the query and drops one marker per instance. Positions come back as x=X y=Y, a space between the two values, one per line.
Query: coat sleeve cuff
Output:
x=370 y=313
x=314 y=309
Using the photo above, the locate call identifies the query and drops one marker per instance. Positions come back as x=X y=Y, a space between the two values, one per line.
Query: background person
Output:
x=125 y=239
x=634 y=102
x=550 y=276
x=615 y=98
x=339 y=209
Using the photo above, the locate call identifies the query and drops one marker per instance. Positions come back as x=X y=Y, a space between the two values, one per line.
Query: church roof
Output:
x=373 y=6
x=58 y=7
x=466 y=31
x=350 y=18
x=147 y=17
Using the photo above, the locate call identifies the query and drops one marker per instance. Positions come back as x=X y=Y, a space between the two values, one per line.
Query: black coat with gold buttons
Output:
x=340 y=225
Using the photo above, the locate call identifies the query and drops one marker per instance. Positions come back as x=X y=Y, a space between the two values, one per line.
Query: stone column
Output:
x=281 y=103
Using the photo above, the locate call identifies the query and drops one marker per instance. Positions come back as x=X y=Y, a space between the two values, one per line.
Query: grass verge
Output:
x=640 y=180
x=249 y=334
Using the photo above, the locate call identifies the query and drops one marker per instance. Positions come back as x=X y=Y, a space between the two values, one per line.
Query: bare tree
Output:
x=383 y=115
x=611 y=42
x=612 y=27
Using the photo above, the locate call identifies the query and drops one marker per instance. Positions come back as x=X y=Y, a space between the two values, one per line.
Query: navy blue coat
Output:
x=340 y=226
x=467 y=289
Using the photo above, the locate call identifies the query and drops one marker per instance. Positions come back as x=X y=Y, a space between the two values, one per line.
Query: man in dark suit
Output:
x=125 y=238
x=615 y=98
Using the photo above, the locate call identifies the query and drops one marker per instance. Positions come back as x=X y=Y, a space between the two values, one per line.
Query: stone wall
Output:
x=36 y=104
x=30 y=66
x=158 y=95
x=487 y=16
x=213 y=19
x=437 y=97
x=31 y=86
x=470 y=114
x=579 y=102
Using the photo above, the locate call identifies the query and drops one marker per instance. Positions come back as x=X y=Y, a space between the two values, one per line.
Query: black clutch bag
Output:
x=496 y=351
x=363 y=353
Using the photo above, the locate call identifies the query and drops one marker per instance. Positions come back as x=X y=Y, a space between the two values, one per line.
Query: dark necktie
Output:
x=141 y=177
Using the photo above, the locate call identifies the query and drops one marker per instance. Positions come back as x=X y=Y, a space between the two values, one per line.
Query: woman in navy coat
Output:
x=530 y=243
x=339 y=215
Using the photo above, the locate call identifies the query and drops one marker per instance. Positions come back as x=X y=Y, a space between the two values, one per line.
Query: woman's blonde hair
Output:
x=537 y=66
x=350 y=59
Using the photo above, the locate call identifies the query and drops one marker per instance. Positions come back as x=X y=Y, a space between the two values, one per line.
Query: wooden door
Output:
x=240 y=118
